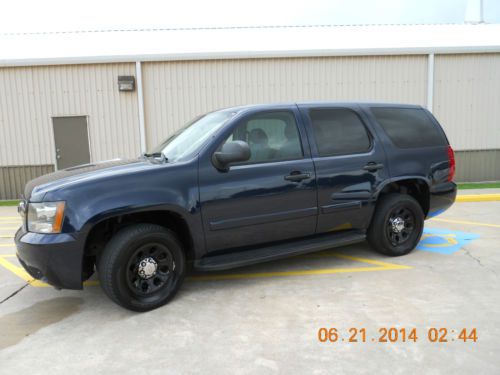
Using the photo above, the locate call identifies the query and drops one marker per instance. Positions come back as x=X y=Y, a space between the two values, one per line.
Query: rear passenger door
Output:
x=350 y=164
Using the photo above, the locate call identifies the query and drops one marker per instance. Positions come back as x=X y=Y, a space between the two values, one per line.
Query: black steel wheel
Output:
x=400 y=225
x=397 y=225
x=142 y=267
x=150 y=268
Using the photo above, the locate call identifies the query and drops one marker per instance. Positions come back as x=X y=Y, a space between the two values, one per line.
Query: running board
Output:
x=282 y=250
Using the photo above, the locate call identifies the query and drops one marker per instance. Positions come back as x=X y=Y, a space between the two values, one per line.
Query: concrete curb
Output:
x=478 y=198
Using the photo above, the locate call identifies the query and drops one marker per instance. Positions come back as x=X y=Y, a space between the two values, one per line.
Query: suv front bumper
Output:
x=53 y=258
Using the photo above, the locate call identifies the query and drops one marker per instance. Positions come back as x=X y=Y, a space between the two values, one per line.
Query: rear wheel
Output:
x=397 y=225
x=142 y=267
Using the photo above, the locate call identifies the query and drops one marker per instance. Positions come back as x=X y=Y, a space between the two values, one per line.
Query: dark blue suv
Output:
x=236 y=187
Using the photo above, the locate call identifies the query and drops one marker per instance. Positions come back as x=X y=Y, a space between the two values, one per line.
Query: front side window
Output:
x=271 y=136
x=338 y=131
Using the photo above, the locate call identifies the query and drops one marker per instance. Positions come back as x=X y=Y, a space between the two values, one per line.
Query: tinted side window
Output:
x=272 y=136
x=409 y=127
x=338 y=131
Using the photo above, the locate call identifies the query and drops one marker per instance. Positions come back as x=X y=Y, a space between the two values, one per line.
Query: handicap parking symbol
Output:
x=444 y=241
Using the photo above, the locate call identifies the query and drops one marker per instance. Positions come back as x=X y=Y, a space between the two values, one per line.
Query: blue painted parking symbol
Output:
x=444 y=241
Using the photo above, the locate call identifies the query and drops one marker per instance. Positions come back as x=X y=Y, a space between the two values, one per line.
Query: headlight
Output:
x=46 y=217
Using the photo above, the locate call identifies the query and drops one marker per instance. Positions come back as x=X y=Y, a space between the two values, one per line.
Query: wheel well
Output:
x=416 y=188
x=102 y=232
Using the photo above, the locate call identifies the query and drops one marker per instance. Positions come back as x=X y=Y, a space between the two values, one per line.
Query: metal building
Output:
x=60 y=101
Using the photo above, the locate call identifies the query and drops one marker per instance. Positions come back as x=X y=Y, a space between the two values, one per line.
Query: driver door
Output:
x=272 y=196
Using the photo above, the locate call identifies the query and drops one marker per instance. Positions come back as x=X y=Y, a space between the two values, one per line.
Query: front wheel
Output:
x=142 y=267
x=397 y=225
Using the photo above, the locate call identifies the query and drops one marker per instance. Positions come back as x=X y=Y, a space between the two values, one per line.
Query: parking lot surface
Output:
x=265 y=318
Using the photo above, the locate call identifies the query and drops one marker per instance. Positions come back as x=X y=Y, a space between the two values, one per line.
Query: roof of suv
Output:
x=320 y=103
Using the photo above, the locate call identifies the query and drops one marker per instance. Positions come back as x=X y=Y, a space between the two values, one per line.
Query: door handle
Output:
x=372 y=166
x=297 y=176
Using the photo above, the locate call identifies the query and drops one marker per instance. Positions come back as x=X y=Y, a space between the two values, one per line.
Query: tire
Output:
x=142 y=267
x=390 y=236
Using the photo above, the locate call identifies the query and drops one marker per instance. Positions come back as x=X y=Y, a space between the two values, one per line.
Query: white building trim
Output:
x=430 y=81
x=246 y=55
x=140 y=105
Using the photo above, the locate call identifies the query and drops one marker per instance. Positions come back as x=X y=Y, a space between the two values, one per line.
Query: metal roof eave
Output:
x=247 y=55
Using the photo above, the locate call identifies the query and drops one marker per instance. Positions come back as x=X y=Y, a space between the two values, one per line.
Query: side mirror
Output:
x=231 y=152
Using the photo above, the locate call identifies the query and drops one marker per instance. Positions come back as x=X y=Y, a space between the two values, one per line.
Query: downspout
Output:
x=430 y=81
x=140 y=105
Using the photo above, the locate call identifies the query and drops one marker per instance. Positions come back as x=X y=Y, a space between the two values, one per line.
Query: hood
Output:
x=72 y=175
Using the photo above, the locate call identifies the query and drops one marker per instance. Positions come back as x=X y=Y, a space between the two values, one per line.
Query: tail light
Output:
x=451 y=163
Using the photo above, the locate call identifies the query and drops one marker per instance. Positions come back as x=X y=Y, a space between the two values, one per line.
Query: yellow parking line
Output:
x=478 y=197
x=381 y=266
x=9 y=218
x=7 y=245
x=467 y=222
x=324 y=271
x=371 y=261
x=19 y=271
x=6 y=236
x=8 y=228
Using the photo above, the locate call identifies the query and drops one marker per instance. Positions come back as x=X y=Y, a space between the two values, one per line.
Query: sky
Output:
x=31 y=16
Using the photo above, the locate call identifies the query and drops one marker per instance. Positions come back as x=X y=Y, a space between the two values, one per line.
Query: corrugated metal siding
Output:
x=466 y=99
x=175 y=92
x=480 y=165
x=29 y=96
x=13 y=179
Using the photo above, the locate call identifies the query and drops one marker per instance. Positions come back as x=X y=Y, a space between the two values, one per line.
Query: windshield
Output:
x=193 y=135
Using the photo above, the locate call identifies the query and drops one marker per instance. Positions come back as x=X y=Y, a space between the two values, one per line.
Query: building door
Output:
x=71 y=139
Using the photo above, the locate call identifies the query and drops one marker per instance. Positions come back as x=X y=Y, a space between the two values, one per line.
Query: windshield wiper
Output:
x=156 y=155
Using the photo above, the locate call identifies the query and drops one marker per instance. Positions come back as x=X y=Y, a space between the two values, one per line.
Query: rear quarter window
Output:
x=409 y=127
